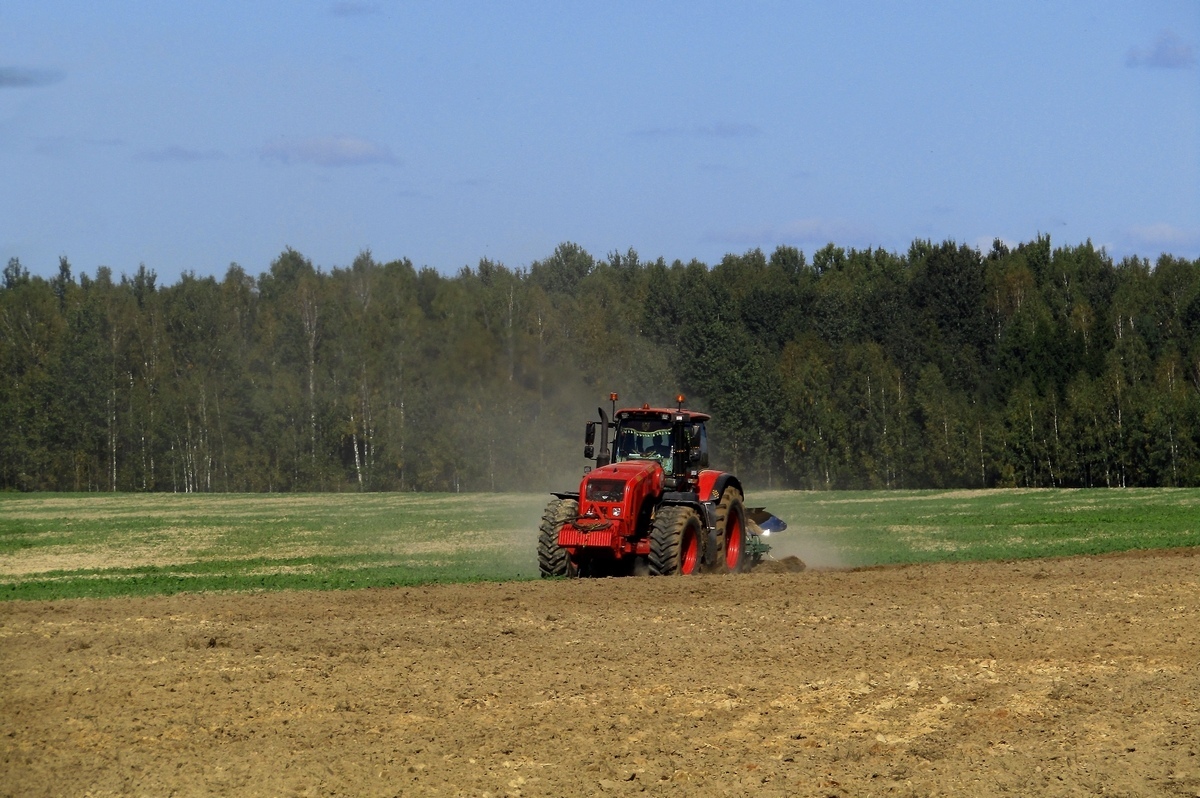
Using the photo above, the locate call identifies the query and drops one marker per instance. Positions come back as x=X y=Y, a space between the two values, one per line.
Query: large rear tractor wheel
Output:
x=553 y=560
x=675 y=542
x=734 y=554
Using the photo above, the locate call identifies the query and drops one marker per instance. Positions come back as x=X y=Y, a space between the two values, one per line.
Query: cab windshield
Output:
x=644 y=439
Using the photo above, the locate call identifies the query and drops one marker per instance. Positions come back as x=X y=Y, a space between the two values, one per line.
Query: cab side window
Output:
x=700 y=438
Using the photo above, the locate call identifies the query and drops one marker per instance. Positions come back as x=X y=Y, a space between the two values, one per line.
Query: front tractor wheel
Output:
x=734 y=555
x=675 y=542
x=553 y=559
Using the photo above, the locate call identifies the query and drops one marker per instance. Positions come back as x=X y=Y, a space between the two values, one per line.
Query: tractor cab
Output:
x=674 y=438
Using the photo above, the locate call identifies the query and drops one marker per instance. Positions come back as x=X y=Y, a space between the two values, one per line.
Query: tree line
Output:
x=943 y=366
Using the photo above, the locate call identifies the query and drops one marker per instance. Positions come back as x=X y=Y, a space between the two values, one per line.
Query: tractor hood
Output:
x=614 y=482
x=631 y=472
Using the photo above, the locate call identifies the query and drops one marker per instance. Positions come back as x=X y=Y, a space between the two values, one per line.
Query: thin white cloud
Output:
x=67 y=146
x=351 y=8
x=327 y=151
x=1168 y=52
x=717 y=130
x=809 y=232
x=178 y=155
x=20 y=78
x=1166 y=238
x=727 y=130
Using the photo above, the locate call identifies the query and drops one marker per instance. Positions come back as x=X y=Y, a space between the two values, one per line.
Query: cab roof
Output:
x=645 y=411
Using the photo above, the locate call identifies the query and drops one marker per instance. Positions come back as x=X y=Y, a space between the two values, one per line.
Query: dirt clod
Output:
x=785 y=565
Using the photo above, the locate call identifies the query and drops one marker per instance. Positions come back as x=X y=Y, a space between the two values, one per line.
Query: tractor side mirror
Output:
x=589 y=438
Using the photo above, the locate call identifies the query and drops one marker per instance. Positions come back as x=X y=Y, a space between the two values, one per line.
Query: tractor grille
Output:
x=576 y=538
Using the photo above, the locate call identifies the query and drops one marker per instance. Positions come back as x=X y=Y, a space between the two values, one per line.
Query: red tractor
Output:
x=651 y=505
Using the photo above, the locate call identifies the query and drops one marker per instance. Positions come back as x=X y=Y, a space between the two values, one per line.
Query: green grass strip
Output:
x=95 y=545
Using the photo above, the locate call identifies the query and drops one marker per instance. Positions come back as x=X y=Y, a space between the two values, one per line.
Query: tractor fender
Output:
x=711 y=484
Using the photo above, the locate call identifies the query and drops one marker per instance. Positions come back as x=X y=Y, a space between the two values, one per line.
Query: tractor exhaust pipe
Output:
x=604 y=456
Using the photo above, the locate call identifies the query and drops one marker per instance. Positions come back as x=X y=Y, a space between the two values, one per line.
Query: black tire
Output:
x=675 y=542
x=553 y=559
x=732 y=555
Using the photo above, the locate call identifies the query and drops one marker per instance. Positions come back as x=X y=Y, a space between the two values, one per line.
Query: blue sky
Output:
x=187 y=136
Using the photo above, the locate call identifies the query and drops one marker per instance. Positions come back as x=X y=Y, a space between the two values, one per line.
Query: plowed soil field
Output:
x=1049 y=677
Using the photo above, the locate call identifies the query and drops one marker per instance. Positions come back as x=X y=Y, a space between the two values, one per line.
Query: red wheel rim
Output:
x=689 y=551
x=733 y=541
